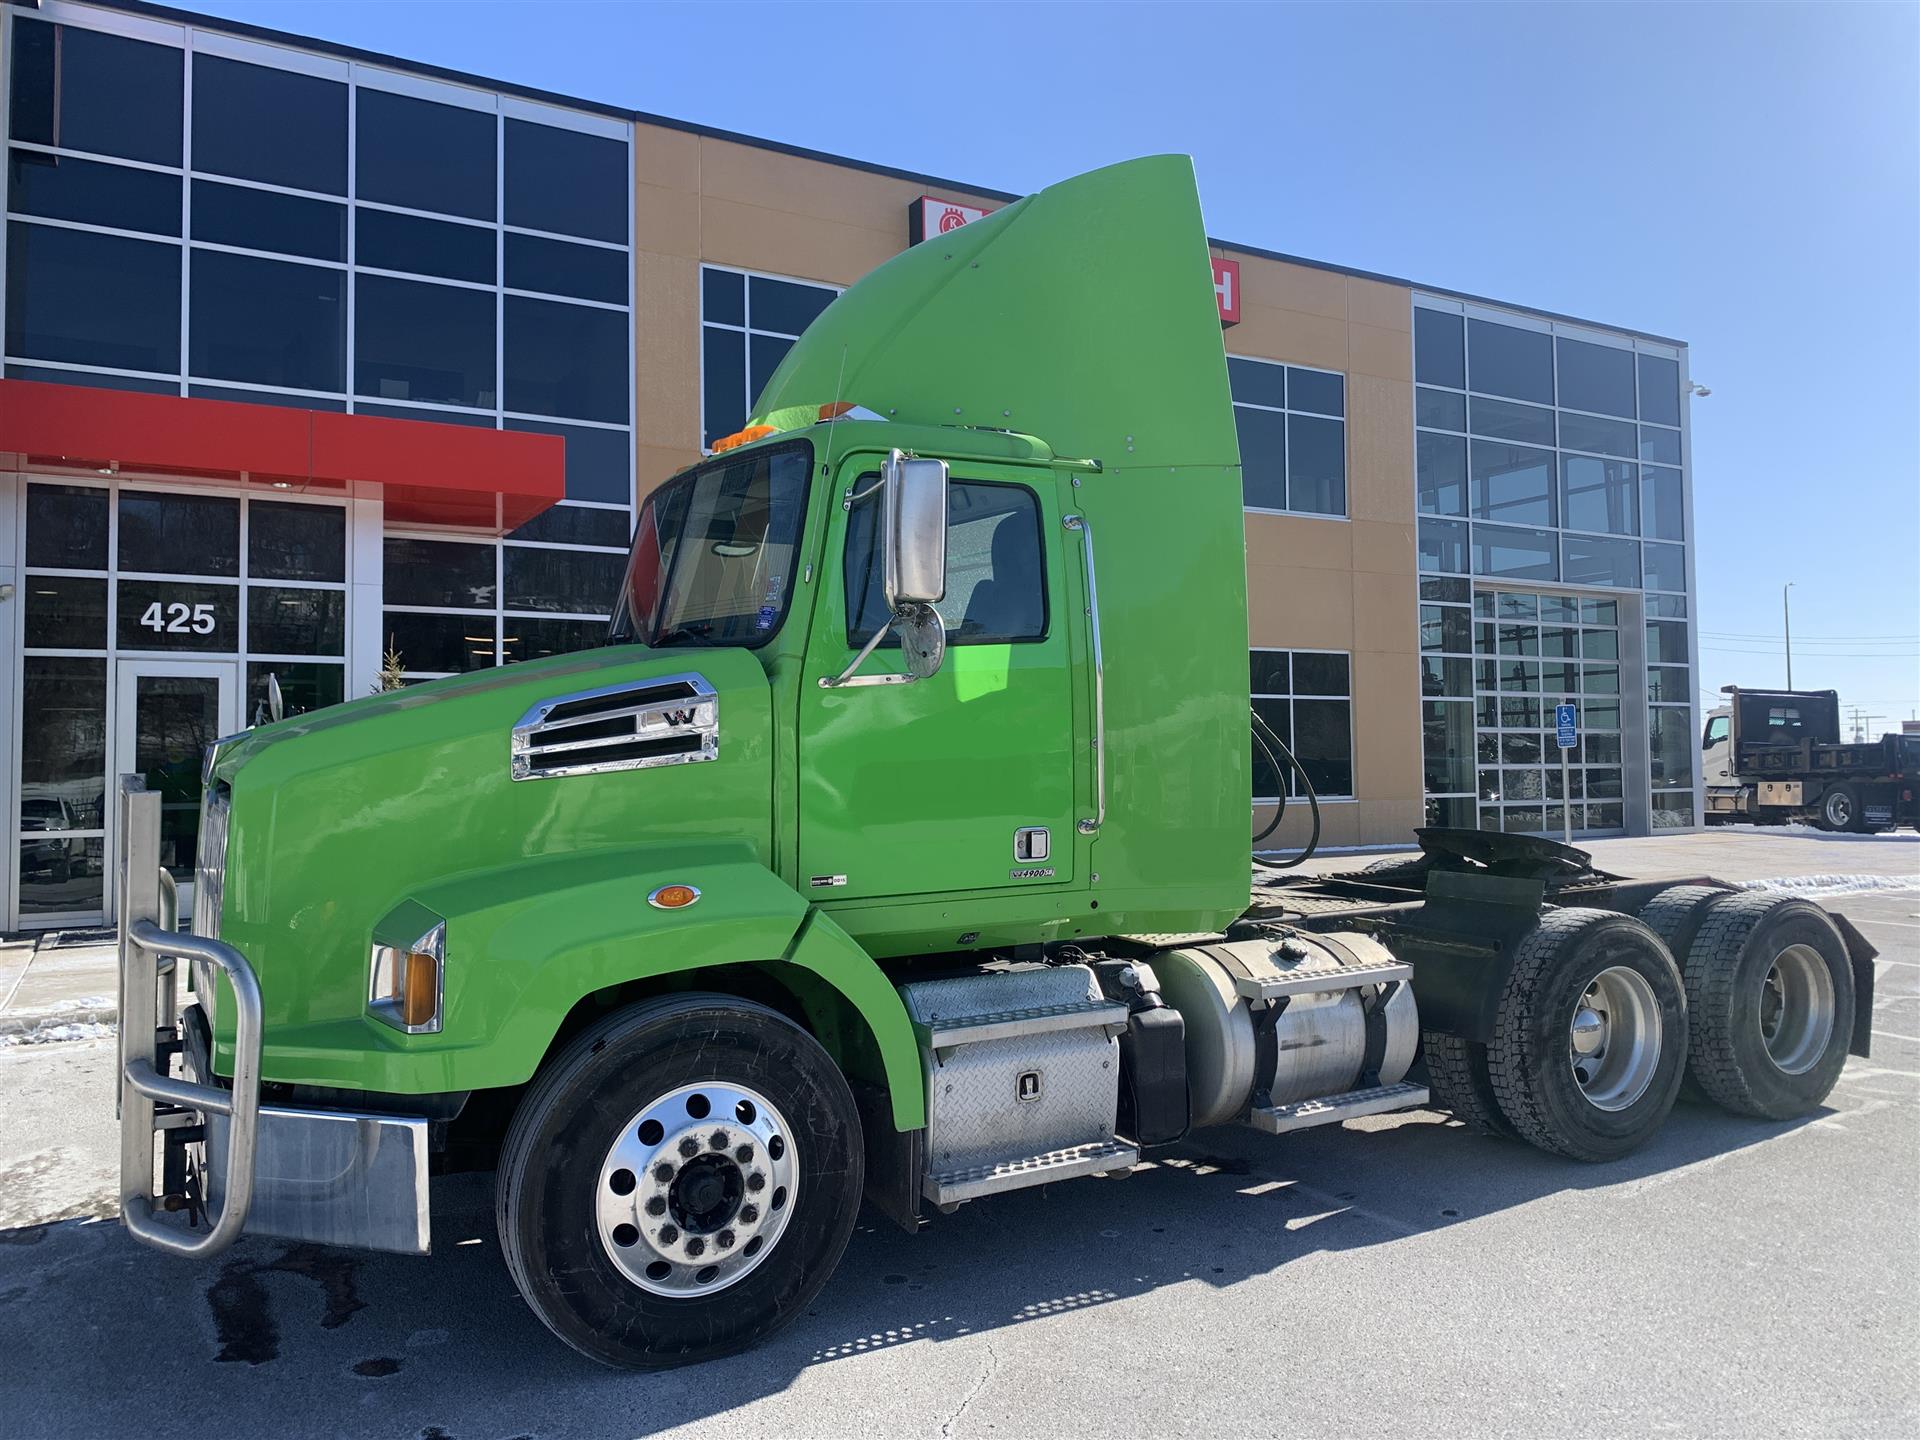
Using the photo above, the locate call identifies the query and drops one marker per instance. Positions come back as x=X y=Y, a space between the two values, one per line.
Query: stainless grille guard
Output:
x=150 y=947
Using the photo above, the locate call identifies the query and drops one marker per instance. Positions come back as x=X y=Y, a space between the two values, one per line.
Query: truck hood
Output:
x=1083 y=314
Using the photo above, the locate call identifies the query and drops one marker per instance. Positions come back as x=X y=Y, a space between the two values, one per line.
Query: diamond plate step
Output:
x=1318 y=975
x=1095 y=1158
x=1332 y=1109
x=937 y=1034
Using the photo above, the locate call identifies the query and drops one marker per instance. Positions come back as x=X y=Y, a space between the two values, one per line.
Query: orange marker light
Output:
x=422 y=994
x=839 y=407
x=673 y=897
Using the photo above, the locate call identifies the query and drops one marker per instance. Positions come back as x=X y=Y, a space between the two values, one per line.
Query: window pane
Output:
x=1446 y=734
x=566 y=360
x=438 y=572
x=565 y=580
x=170 y=615
x=1445 y=627
x=1316 y=391
x=1599 y=495
x=1659 y=390
x=263 y=220
x=1589 y=432
x=534 y=263
x=67 y=526
x=1504 y=420
x=1515 y=554
x=764 y=354
x=1596 y=377
x=577 y=524
x=424 y=155
x=177 y=534
x=58 y=876
x=83 y=90
x=296 y=542
x=1441 y=409
x=1666 y=567
x=1440 y=474
x=598 y=468
x=296 y=622
x=1663 y=507
x=723 y=360
x=1600 y=680
x=1269 y=672
x=567 y=182
x=304 y=686
x=1667 y=607
x=723 y=296
x=1270 y=783
x=424 y=342
x=1672 y=812
x=1263 y=457
x=385 y=241
x=1257 y=382
x=92 y=299
x=1512 y=483
x=63 y=187
x=1438 y=356
x=268 y=397
x=996 y=575
x=529 y=639
x=780 y=306
x=1316 y=673
x=1662 y=447
x=1443 y=546
x=1667 y=683
x=1323 y=743
x=1443 y=675
x=268 y=321
x=1599 y=612
x=1448 y=591
x=1516 y=607
x=1593 y=561
x=65 y=612
x=1316 y=465
x=440 y=642
x=269 y=125
x=1559 y=640
x=1519 y=640
x=1600 y=644
x=1510 y=361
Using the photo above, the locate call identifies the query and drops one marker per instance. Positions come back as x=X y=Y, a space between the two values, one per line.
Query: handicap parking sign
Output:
x=1566 y=724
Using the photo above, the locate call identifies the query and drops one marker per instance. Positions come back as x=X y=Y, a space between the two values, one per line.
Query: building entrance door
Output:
x=166 y=713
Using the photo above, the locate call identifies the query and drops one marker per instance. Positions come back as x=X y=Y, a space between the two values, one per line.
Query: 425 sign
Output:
x=164 y=615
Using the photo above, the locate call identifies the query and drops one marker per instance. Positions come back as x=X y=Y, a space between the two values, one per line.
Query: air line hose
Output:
x=1268 y=741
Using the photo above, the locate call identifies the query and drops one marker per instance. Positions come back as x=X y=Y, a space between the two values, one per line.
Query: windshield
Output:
x=712 y=560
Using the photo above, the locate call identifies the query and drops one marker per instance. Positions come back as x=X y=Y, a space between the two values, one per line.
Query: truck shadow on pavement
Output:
x=442 y=1347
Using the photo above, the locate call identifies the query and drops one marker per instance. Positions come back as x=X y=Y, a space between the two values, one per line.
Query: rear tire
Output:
x=589 y=1230
x=1461 y=1084
x=1590 y=1039
x=1771 y=997
x=1840 y=809
x=1675 y=915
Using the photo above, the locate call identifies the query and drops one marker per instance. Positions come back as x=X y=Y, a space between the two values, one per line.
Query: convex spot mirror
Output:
x=923 y=638
x=913 y=524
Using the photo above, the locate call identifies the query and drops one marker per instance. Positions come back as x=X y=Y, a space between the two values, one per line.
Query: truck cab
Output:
x=894 y=846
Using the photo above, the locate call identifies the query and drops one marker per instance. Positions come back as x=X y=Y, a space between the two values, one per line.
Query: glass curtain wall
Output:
x=1547 y=457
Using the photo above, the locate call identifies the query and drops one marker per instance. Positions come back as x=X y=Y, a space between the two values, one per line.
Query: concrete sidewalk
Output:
x=64 y=985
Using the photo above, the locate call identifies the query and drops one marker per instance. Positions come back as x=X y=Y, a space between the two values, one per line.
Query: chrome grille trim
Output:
x=672 y=720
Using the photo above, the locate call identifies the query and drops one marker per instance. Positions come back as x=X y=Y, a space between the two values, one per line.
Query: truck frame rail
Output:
x=152 y=1099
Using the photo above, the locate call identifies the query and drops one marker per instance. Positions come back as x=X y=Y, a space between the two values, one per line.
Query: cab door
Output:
x=964 y=781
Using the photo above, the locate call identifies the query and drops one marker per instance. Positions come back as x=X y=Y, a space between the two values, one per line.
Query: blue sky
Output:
x=1744 y=177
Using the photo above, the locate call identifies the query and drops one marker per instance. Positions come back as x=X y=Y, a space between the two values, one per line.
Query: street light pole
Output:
x=1786 y=617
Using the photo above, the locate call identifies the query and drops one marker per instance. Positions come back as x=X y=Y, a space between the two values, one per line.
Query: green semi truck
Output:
x=893 y=847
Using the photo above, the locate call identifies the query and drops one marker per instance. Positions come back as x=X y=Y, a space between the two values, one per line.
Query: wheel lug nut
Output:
x=689 y=1147
x=756 y=1182
x=749 y=1214
x=724 y=1239
x=668 y=1234
x=663 y=1172
x=696 y=1246
x=743 y=1154
x=657 y=1206
x=718 y=1140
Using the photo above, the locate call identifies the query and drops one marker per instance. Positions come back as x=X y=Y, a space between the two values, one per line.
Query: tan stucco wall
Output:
x=1319 y=584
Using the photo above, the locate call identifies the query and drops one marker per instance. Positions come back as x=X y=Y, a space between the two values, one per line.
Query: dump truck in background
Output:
x=895 y=846
x=1771 y=757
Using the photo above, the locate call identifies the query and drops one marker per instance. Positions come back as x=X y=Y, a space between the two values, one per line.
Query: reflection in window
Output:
x=564 y=581
x=92 y=299
x=440 y=644
x=1506 y=360
x=1590 y=560
x=63 y=755
x=1439 y=357
x=1595 y=377
x=172 y=533
x=742 y=342
x=1600 y=495
x=438 y=572
x=566 y=360
x=415 y=341
x=65 y=612
x=84 y=90
x=67 y=526
x=268 y=322
x=285 y=621
x=1308 y=704
x=1512 y=483
x=1515 y=554
x=256 y=122
x=996 y=577
x=296 y=542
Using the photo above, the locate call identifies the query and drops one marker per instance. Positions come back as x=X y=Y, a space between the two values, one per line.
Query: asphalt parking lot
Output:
x=1396 y=1276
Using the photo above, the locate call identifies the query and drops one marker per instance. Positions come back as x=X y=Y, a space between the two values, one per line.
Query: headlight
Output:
x=408 y=982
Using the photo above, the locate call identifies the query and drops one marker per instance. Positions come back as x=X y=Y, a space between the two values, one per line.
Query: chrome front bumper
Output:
x=332 y=1176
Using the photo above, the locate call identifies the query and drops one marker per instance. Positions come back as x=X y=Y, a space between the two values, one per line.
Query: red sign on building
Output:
x=1226 y=290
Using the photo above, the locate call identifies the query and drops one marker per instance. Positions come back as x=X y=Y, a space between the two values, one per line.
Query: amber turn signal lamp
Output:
x=420 y=994
x=673 y=897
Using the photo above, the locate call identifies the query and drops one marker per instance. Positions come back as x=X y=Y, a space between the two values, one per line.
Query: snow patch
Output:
x=51 y=1030
x=1831 y=884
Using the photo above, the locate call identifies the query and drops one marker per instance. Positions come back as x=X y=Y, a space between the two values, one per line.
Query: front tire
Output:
x=1770 y=991
x=1590 y=1039
x=679 y=1182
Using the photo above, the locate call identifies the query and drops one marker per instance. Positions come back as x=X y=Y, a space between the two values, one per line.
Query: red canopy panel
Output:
x=434 y=474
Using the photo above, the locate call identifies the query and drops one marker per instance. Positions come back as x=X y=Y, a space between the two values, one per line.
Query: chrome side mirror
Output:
x=923 y=638
x=913 y=527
